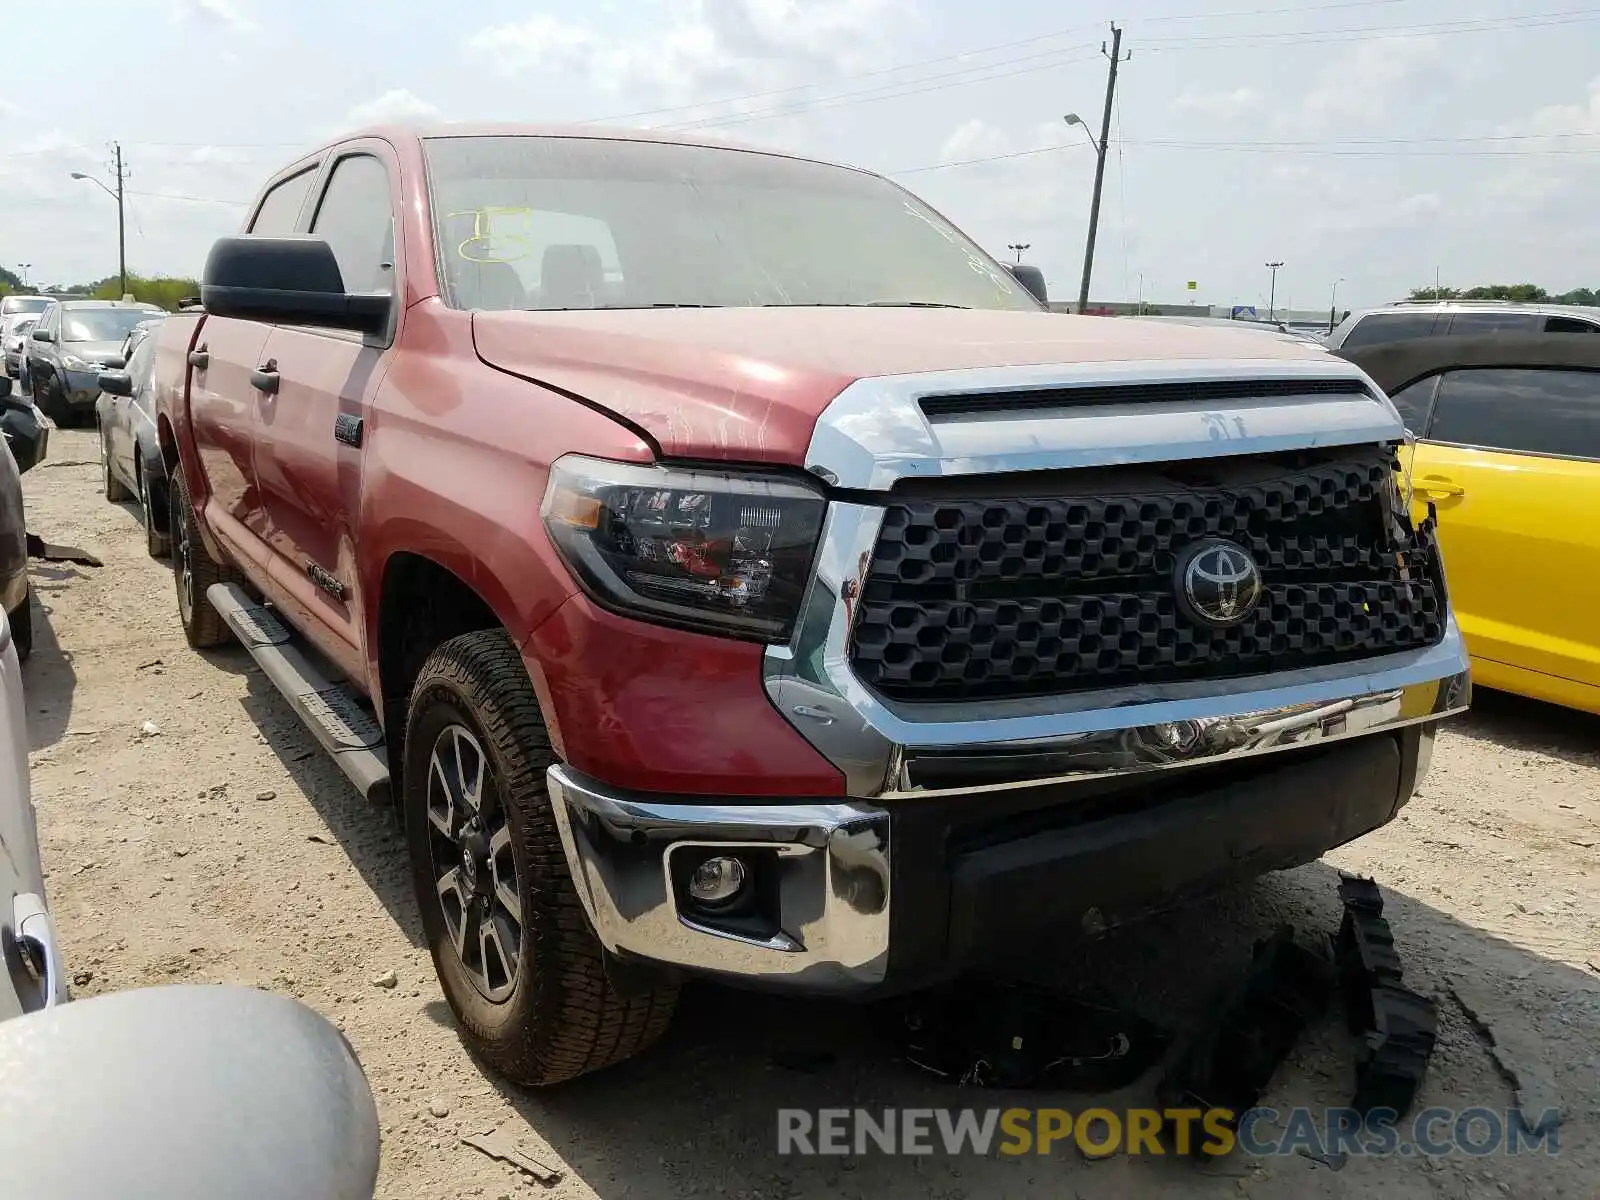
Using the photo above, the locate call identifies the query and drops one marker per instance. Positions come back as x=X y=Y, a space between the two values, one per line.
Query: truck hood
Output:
x=747 y=384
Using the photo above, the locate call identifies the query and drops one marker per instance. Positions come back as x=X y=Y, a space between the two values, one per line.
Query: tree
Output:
x=167 y=291
x=1523 y=293
x=9 y=282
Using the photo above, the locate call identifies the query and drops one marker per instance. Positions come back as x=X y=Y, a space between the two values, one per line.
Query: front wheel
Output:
x=115 y=489
x=156 y=543
x=513 y=949
x=194 y=570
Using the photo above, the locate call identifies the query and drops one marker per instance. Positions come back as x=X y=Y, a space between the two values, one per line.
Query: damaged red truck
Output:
x=728 y=568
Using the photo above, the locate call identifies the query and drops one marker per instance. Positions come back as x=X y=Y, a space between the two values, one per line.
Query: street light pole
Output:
x=1272 y=301
x=122 y=233
x=1333 y=303
x=23 y=267
x=1018 y=248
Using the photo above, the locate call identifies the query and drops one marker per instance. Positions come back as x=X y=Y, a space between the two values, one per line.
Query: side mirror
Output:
x=1031 y=278
x=42 y=335
x=115 y=363
x=287 y=281
x=116 y=383
x=185 y=1091
x=5 y=388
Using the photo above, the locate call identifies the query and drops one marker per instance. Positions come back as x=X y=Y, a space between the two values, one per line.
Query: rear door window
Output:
x=1466 y=324
x=1378 y=328
x=1569 y=325
x=280 y=207
x=1522 y=409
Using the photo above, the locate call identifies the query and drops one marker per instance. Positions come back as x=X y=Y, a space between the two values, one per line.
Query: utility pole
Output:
x=117 y=195
x=1272 y=300
x=1100 y=165
x=1333 y=303
x=122 y=234
x=1018 y=248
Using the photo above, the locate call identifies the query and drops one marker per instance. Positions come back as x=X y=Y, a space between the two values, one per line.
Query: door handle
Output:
x=265 y=377
x=200 y=357
x=1438 y=485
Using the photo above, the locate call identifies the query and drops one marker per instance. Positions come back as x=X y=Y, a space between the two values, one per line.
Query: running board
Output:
x=332 y=711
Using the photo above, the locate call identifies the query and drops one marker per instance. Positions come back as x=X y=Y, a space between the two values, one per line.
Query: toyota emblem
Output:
x=1218 y=582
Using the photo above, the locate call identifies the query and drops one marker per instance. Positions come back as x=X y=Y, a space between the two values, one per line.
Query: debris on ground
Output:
x=1516 y=1059
x=387 y=980
x=1397 y=1026
x=266 y=795
x=503 y=1145
x=45 y=552
x=1230 y=1060
x=1009 y=1035
x=438 y=1108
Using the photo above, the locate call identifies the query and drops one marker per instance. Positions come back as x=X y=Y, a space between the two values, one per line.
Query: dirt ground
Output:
x=225 y=848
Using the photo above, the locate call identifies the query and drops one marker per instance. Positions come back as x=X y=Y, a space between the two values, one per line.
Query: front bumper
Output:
x=875 y=895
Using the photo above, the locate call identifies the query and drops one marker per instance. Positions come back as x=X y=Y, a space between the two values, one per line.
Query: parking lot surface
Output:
x=193 y=832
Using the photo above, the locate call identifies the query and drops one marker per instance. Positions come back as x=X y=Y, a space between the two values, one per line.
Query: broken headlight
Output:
x=720 y=552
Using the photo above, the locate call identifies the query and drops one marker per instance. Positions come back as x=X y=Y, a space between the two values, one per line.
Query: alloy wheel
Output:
x=475 y=872
x=182 y=562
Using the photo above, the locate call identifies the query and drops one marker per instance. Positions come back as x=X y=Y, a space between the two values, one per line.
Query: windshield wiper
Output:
x=912 y=304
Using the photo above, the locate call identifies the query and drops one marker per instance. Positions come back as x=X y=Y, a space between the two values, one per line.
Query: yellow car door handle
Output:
x=1438 y=485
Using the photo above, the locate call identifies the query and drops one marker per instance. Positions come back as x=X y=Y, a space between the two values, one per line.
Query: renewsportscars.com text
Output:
x=1432 y=1132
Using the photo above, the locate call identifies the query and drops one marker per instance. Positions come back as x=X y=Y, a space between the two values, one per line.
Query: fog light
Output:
x=717 y=880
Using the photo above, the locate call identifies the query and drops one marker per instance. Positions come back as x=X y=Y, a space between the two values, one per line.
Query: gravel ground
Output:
x=225 y=848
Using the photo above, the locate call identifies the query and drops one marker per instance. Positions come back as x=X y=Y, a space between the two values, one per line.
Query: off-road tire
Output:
x=563 y=1018
x=115 y=489
x=21 y=621
x=202 y=624
x=156 y=543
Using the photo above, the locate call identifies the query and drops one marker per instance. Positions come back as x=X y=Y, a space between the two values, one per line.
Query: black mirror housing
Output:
x=116 y=383
x=287 y=281
x=5 y=387
x=42 y=335
x=1031 y=278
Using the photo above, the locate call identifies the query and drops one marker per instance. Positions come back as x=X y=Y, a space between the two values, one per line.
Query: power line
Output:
x=1314 y=37
x=845 y=99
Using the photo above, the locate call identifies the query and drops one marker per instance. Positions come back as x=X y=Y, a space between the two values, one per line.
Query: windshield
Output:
x=100 y=324
x=17 y=326
x=22 y=304
x=561 y=223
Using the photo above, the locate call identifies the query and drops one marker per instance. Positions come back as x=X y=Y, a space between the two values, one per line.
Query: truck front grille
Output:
x=1049 y=593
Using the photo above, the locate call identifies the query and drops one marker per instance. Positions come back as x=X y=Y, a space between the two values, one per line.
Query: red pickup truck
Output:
x=731 y=569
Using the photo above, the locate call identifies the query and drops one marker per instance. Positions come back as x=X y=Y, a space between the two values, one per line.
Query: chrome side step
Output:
x=333 y=711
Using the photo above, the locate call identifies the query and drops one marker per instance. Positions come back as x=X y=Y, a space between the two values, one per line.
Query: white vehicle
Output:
x=14 y=338
x=1459 y=318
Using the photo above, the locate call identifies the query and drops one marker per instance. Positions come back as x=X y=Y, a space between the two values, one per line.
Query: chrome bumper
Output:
x=831 y=877
x=889 y=751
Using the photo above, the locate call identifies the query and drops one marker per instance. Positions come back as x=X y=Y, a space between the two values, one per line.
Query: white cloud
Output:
x=219 y=14
x=1232 y=103
x=1375 y=79
x=708 y=47
x=396 y=105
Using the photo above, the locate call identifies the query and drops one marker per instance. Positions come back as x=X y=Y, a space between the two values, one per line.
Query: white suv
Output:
x=1454 y=318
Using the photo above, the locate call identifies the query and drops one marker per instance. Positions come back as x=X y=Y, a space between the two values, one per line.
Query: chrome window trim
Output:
x=874 y=434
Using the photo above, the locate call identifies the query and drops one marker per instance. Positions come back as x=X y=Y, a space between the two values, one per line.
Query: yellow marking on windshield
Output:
x=484 y=233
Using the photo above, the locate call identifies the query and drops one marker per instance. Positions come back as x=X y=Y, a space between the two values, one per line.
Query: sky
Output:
x=1377 y=143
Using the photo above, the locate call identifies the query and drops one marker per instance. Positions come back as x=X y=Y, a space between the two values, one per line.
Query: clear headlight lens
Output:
x=73 y=363
x=722 y=552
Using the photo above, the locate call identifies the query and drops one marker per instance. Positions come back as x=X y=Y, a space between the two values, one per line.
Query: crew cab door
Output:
x=223 y=398
x=1510 y=458
x=311 y=423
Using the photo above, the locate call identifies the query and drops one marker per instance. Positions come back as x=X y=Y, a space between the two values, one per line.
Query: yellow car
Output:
x=1507 y=451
